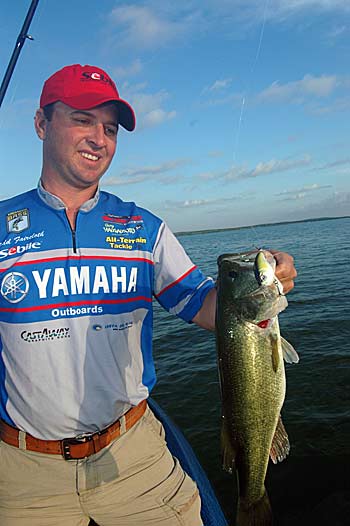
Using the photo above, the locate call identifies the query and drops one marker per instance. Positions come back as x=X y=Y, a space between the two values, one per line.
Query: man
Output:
x=79 y=268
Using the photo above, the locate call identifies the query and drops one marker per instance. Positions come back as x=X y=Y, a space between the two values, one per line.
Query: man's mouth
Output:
x=89 y=156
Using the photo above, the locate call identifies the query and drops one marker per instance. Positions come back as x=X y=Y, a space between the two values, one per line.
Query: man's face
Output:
x=78 y=144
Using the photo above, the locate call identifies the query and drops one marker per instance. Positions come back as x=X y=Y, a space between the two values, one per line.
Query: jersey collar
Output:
x=55 y=202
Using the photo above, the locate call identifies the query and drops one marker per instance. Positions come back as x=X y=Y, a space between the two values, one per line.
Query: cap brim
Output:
x=126 y=115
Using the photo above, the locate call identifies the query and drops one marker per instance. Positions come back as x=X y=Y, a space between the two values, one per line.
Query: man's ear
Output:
x=40 y=123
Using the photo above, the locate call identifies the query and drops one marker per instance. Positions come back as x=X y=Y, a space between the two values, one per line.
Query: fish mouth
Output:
x=260 y=306
x=244 y=259
x=236 y=257
x=269 y=310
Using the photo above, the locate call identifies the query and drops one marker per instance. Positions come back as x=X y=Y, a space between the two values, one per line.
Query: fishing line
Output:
x=248 y=85
x=258 y=243
x=261 y=36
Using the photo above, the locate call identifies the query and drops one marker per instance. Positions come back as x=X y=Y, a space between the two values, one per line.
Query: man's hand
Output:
x=285 y=270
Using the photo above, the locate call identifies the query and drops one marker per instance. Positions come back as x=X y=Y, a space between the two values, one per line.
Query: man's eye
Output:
x=111 y=131
x=81 y=121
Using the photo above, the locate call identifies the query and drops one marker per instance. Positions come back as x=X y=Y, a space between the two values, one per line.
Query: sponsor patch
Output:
x=18 y=221
x=53 y=283
x=122 y=220
x=76 y=311
x=45 y=335
x=111 y=228
x=19 y=249
x=114 y=326
x=14 y=287
x=125 y=243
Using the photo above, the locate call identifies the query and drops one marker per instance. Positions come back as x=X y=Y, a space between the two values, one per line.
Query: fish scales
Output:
x=252 y=378
x=249 y=381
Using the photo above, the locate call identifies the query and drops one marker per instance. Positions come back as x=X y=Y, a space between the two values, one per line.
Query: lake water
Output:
x=312 y=485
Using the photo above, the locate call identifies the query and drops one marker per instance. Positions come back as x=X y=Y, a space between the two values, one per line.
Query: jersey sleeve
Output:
x=179 y=285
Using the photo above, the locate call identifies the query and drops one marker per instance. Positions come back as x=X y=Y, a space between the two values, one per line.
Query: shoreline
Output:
x=205 y=231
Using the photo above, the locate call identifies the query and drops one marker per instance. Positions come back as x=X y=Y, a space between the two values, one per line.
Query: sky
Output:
x=242 y=106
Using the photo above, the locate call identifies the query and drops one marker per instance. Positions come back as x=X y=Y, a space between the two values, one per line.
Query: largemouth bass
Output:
x=252 y=376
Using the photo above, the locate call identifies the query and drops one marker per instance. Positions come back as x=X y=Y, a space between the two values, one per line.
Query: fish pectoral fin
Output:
x=280 y=443
x=228 y=452
x=289 y=353
x=275 y=353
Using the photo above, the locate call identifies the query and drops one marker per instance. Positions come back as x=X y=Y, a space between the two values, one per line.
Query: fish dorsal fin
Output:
x=280 y=443
x=289 y=353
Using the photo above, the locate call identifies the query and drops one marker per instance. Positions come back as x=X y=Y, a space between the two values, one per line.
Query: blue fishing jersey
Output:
x=76 y=309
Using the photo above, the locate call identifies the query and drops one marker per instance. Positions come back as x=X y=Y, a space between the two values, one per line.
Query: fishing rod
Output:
x=18 y=47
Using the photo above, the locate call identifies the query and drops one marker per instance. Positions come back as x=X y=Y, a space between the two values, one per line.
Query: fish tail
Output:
x=259 y=514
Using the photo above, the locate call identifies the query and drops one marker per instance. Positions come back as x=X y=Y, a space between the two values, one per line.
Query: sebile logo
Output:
x=19 y=249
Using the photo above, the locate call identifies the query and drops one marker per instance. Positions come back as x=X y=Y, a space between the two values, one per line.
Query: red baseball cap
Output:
x=83 y=88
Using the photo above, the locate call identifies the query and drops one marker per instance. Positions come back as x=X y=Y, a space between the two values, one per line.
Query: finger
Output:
x=284 y=265
x=285 y=270
x=287 y=285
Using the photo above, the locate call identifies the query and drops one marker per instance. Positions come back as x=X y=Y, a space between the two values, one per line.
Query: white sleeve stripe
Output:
x=176 y=281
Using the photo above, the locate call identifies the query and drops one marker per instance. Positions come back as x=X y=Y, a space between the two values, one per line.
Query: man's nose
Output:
x=97 y=136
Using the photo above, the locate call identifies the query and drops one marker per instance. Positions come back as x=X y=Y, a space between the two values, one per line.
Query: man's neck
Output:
x=73 y=198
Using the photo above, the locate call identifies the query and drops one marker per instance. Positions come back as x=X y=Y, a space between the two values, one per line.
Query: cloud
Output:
x=301 y=193
x=218 y=85
x=335 y=205
x=158 y=23
x=340 y=104
x=149 y=107
x=312 y=91
x=337 y=31
x=157 y=116
x=189 y=203
x=149 y=173
x=277 y=165
x=129 y=71
x=320 y=95
x=141 y=26
x=295 y=6
x=235 y=17
x=218 y=90
x=268 y=167
x=297 y=91
x=196 y=203
x=281 y=10
x=334 y=164
x=238 y=173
